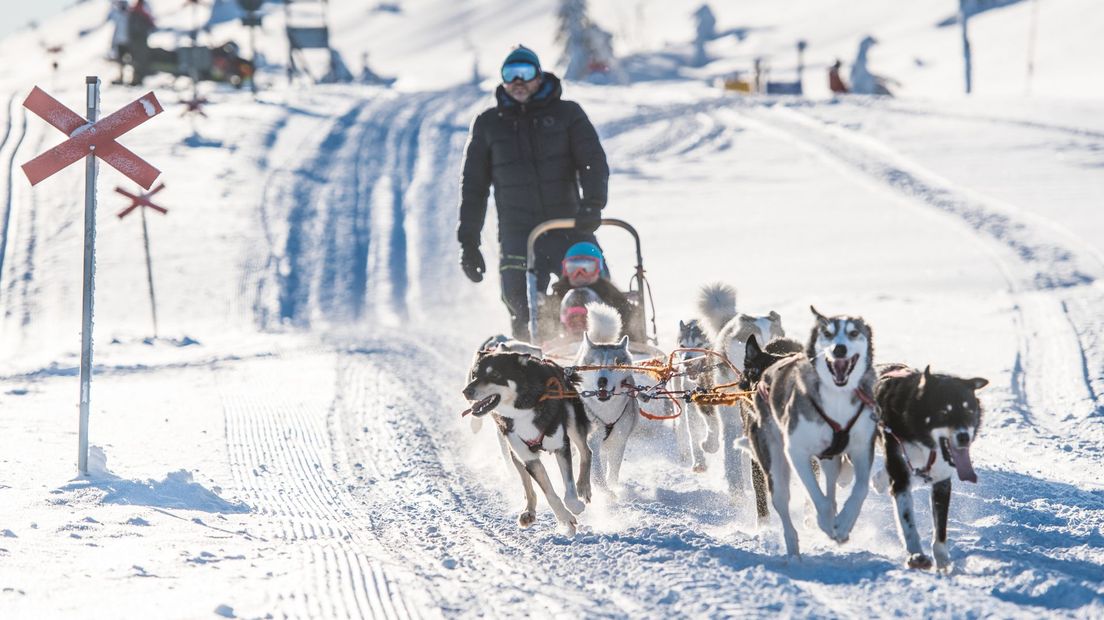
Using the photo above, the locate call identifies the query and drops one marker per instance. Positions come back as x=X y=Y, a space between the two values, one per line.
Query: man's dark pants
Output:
x=549 y=252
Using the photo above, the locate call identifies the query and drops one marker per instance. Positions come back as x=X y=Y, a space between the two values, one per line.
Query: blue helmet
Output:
x=586 y=248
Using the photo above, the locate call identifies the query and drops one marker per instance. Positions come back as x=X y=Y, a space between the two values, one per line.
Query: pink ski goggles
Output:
x=582 y=270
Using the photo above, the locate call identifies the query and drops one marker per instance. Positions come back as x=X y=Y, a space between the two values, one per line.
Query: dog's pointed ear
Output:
x=977 y=382
x=774 y=316
x=924 y=378
x=820 y=318
x=682 y=326
x=751 y=349
x=624 y=342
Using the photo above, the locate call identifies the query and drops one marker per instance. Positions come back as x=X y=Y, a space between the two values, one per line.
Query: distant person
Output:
x=544 y=159
x=117 y=17
x=835 y=82
x=139 y=26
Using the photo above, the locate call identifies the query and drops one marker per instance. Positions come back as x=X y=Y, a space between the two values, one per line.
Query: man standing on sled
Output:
x=544 y=159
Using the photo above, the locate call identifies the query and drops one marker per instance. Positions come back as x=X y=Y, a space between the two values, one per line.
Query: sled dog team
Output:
x=816 y=411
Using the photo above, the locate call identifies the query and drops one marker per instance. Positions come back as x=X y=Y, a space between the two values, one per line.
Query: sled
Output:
x=544 y=321
x=219 y=64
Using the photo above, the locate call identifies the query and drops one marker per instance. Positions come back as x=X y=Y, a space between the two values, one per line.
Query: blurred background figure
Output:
x=140 y=24
x=835 y=82
x=117 y=17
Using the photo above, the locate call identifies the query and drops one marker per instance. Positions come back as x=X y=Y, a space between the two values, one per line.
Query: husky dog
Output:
x=732 y=330
x=929 y=422
x=695 y=366
x=818 y=405
x=756 y=361
x=612 y=412
x=515 y=386
x=499 y=343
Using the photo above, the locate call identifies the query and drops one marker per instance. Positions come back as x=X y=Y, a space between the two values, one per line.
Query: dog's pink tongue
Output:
x=962 y=464
x=466 y=411
x=840 y=367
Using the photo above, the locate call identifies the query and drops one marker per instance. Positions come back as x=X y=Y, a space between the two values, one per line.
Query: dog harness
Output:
x=925 y=473
x=506 y=426
x=840 y=434
x=625 y=383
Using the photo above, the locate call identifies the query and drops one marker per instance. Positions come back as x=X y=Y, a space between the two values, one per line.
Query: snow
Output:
x=292 y=445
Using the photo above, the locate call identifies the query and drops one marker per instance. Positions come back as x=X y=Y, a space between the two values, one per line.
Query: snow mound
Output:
x=177 y=490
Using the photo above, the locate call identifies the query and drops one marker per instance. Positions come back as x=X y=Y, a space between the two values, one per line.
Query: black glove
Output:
x=471 y=261
x=588 y=219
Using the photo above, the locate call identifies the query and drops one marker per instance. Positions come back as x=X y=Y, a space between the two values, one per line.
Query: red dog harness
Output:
x=841 y=435
x=925 y=473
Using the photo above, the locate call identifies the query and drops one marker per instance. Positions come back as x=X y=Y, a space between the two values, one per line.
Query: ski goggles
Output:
x=518 y=71
x=582 y=269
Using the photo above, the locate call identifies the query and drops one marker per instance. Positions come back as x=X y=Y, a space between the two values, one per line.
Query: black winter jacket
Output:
x=537 y=155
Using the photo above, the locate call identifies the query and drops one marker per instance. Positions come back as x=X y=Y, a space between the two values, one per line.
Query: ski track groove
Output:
x=278 y=454
x=5 y=220
x=995 y=120
x=324 y=271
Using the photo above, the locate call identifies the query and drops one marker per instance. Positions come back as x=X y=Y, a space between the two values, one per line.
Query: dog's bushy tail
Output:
x=717 y=303
x=603 y=323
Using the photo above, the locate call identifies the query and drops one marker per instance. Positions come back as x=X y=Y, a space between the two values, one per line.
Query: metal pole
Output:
x=966 y=55
x=149 y=269
x=92 y=85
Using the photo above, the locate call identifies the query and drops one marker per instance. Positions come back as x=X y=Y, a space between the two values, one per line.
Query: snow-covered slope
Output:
x=292 y=446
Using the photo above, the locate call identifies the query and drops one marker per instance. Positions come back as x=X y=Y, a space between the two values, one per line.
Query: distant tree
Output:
x=587 y=48
x=705 y=29
x=572 y=35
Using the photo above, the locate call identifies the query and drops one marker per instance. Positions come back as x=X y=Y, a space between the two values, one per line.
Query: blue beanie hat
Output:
x=522 y=54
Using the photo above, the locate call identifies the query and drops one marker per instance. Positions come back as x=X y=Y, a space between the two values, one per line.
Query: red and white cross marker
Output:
x=90 y=138
x=87 y=138
x=141 y=200
x=194 y=106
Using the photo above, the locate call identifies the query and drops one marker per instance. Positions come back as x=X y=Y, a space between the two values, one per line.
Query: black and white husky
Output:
x=731 y=331
x=700 y=433
x=519 y=391
x=929 y=422
x=610 y=405
x=499 y=343
x=818 y=405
